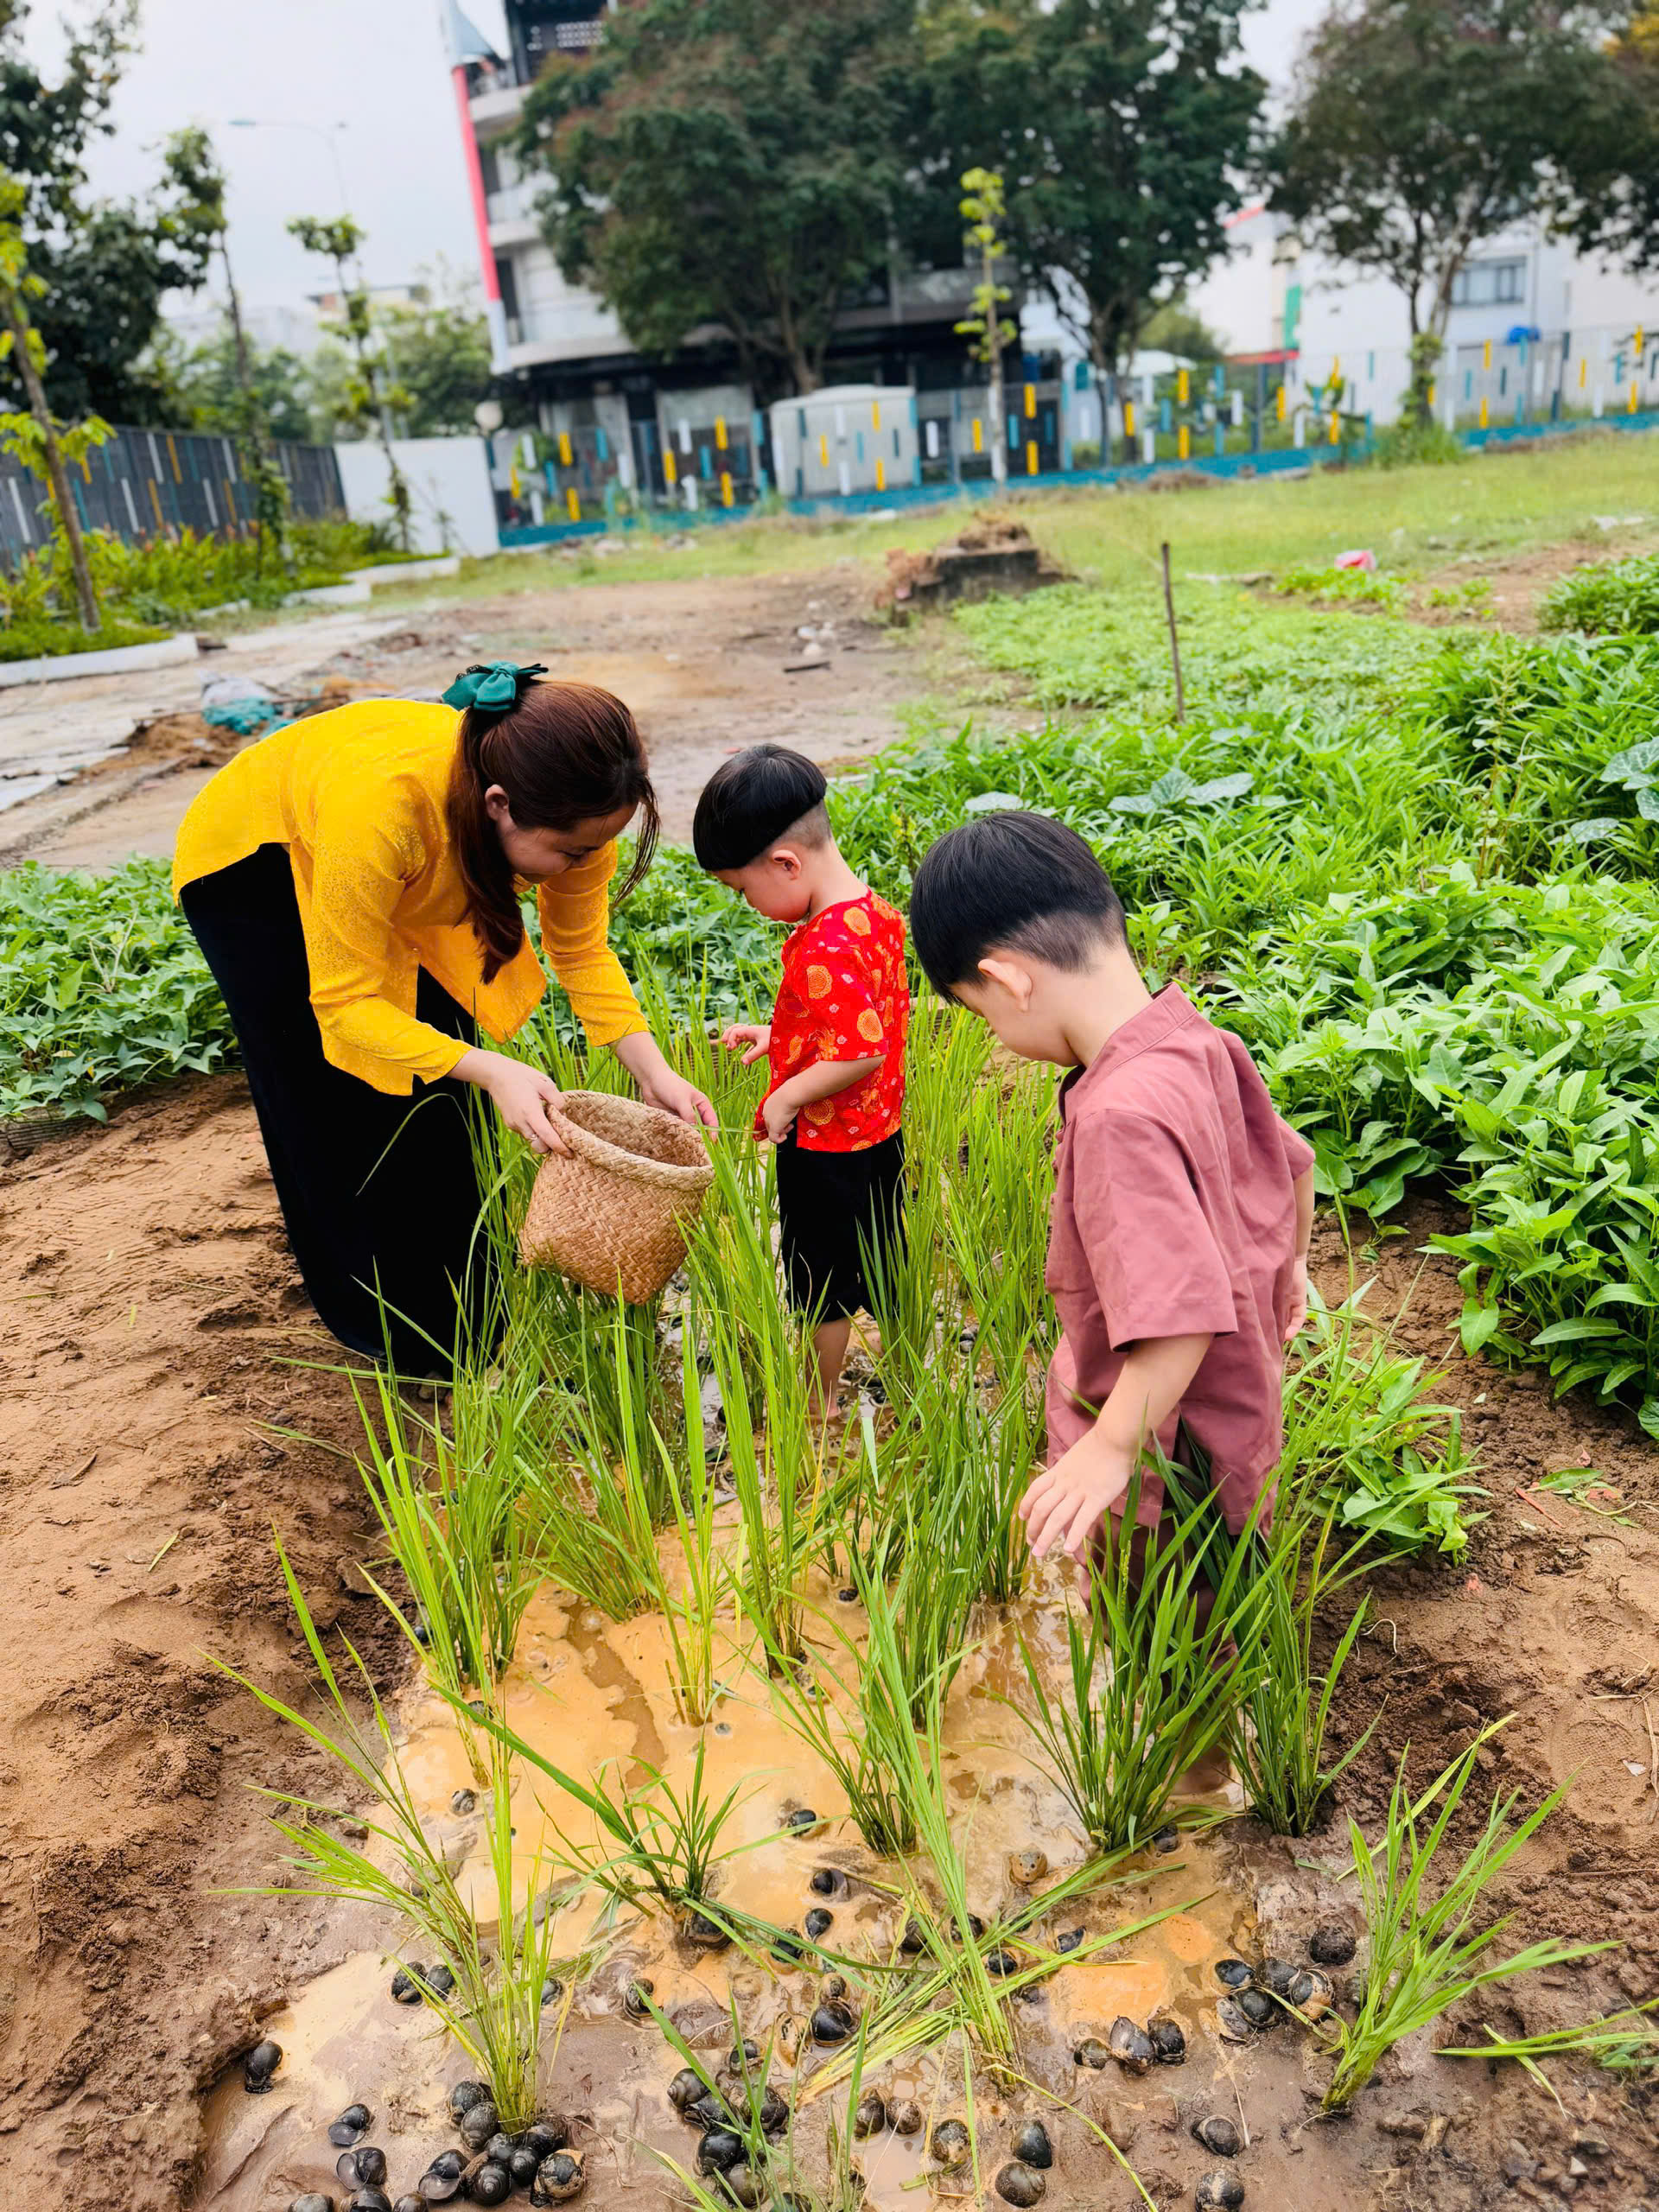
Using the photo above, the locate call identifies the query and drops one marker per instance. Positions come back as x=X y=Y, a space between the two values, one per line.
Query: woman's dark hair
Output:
x=1012 y=882
x=751 y=800
x=564 y=754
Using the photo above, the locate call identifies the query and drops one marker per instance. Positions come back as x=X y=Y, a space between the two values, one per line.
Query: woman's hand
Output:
x=522 y=1095
x=659 y=1086
x=673 y=1095
x=757 y=1036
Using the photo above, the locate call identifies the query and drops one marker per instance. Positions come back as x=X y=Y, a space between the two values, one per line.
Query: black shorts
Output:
x=833 y=1208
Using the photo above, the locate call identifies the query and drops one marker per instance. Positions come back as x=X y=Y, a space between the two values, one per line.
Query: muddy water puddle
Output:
x=594 y=1698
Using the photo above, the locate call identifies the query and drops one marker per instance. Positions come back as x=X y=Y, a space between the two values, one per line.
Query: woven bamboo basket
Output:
x=613 y=1213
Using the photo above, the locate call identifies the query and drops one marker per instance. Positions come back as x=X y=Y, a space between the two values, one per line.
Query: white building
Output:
x=294 y=330
x=1530 y=318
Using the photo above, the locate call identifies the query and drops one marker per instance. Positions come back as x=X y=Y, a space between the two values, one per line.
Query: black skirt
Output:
x=378 y=1193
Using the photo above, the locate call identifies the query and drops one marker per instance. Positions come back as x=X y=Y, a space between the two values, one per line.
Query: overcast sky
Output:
x=378 y=66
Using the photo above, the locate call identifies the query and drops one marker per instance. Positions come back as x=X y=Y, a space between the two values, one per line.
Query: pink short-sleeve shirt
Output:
x=1174 y=1215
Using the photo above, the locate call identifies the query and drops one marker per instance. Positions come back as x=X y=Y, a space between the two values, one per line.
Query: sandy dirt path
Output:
x=704 y=663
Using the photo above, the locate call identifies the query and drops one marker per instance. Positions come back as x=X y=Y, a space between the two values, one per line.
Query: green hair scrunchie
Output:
x=494 y=688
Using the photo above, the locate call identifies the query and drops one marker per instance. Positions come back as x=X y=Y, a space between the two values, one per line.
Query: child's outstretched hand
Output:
x=1066 y=1504
x=757 y=1036
x=1296 y=1314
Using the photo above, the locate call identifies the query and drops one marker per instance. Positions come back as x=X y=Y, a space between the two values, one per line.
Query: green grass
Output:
x=1423 y=516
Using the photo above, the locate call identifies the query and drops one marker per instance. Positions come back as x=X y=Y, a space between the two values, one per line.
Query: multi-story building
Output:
x=654 y=423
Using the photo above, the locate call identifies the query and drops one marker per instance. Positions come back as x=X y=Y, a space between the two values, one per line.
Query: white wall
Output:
x=447 y=477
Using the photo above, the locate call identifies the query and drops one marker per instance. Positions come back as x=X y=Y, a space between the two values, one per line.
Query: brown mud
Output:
x=151 y=1442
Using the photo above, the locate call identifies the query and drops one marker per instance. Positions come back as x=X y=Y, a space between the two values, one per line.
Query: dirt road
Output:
x=705 y=665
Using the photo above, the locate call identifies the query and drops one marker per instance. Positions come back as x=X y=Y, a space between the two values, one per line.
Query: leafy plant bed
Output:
x=50 y=640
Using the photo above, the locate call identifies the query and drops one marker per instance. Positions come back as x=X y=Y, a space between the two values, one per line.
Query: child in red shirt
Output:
x=835 y=1045
x=1183 y=1205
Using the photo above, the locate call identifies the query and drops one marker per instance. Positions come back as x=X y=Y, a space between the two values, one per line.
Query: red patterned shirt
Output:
x=844 y=996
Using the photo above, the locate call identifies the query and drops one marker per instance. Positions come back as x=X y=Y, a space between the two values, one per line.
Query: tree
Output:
x=732 y=164
x=1120 y=128
x=1621 y=220
x=191 y=152
x=983 y=209
x=368 y=398
x=1418 y=127
x=1180 y=329
x=106 y=264
x=440 y=353
x=203 y=391
x=36 y=438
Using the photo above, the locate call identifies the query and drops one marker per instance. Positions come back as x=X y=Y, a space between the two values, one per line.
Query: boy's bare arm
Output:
x=820 y=1079
x=1303 y=1187
x=1065 y=1505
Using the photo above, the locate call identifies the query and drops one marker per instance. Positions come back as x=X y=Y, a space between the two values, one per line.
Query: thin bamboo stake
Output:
x=1174 y=641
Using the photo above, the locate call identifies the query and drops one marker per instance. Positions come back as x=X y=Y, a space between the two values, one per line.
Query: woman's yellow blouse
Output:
x=357 y=796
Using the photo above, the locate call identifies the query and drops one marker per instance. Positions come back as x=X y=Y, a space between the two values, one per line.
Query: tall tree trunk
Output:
x=56 y=474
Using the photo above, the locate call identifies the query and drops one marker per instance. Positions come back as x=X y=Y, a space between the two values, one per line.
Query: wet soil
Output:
x=153 y=1434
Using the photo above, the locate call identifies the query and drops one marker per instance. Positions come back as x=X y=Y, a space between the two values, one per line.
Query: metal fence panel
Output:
x=143 y=484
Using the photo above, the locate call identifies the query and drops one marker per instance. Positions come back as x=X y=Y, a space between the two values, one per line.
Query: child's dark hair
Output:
x=1010 y=882
x=565 y=754
x=752 y=800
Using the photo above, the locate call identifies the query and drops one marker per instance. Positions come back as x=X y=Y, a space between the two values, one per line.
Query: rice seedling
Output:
x=1624 y=2043
x=863 y=1735
x=1154 y=1685
x=1275 y=1735
x=666 y=1841
x=501 y=1966
x=774 y=1444
x=459 y=1539
x=1423 y=1959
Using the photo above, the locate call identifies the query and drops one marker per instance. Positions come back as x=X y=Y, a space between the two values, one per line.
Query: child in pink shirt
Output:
x=1183 y=1205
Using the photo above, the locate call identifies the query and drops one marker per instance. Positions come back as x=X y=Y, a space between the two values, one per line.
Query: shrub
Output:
x=1620 y=598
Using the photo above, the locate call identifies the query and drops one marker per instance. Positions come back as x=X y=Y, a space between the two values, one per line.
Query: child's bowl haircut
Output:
x=752 y=800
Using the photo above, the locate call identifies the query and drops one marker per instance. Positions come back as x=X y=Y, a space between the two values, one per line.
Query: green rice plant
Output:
x=458 y=1538
x=1153 y=1684
x=666 y=1841
x=1284 y=1575
x=1422 y=1957
x=1276 y=1741
x=865 y=1735
x=1276 y=1737
x=501 y=1969
x=1624 y=2043
x=606 y=1538
x=774 y=1444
